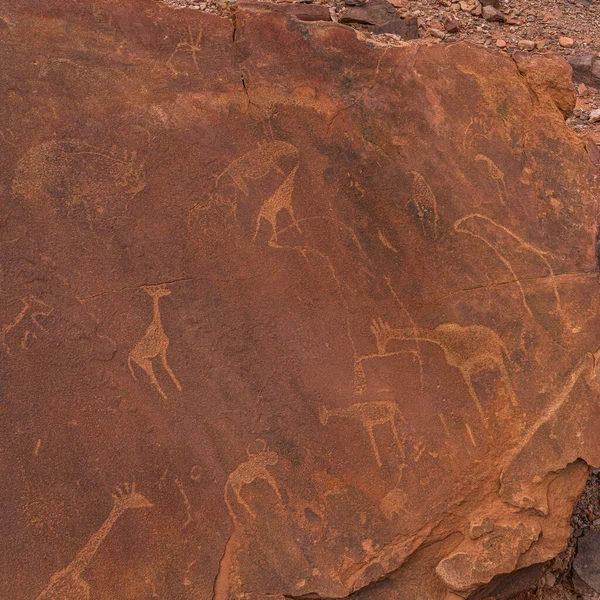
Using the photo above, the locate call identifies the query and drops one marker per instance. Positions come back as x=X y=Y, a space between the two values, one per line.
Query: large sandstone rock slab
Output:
x=284 y=313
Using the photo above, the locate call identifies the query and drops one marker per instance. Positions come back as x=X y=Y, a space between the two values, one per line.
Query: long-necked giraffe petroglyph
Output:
x=279 y=201
x=471 y=349
x=153 y=343
x=369 y=414
x=67 y=584
x=248 y=472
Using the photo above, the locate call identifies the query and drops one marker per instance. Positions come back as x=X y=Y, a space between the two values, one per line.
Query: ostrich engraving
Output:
x=67 y=584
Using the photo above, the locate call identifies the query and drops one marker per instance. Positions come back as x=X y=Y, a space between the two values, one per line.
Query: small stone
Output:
x=566 y=42
x=500 y=43
x=451 y=24
x=494 y=3
x=436 y=33
x=581 y=89
x=540 y=44
x=492 y=14
x=465 y=7
x=527 y=45
x=594 y=118
x=550 y=578
x=477 y=11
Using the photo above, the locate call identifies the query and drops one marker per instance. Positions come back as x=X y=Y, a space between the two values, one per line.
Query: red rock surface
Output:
x=285 y=313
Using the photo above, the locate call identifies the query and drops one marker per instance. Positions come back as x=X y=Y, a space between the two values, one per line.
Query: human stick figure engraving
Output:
x=153 y=343
x=280 y=200
x=471 y=349
x=32 y=308
x=249 y=471
x=67 y=584
x=369 y=414
x=258 y=163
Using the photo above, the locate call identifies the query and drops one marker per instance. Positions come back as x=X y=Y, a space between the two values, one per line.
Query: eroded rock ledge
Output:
x=321 y=316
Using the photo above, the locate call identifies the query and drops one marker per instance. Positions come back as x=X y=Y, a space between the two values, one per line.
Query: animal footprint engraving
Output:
x=154 y=343
x=67 y=584
x=253 y=469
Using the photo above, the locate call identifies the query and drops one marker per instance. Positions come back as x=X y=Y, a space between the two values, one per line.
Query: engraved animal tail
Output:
x=129 y=362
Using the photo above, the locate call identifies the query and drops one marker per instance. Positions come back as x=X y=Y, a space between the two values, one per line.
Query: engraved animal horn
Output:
x=257 y=443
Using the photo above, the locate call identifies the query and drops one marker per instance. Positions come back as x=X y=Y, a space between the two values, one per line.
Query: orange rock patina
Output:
x=318 y=313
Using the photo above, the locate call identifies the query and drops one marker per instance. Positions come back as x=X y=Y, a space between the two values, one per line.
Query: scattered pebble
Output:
x=566 y=42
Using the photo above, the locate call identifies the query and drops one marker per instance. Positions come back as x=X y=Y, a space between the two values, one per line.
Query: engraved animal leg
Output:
x=258 y=224
x=240 y=183
x=163 y=358
x=360 y=379
x=237 y=490
x=271 y=481
x=129 y=362
x=294 y=220
x=508 y=383
x=373 y=443
x=467 y=378
x=146 y=365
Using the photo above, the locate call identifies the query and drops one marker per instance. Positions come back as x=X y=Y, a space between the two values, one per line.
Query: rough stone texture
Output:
x=548 y=79
x=586 y=69
x=302 y=12
x=318 y=314
x=587 y=561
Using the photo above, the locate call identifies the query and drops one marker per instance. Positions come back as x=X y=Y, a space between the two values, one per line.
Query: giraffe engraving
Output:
x=153 y=343
x=471 y=349
x=370 y=414
x=249 y=471
x=68 y=584
x=279 y=201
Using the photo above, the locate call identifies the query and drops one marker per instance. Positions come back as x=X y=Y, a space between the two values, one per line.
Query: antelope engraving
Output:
x=258 y=163
x=470 y=349
x=249 y=471
x=279 y=201
x=369 y=414
x=153 y=343
x=67 y=584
